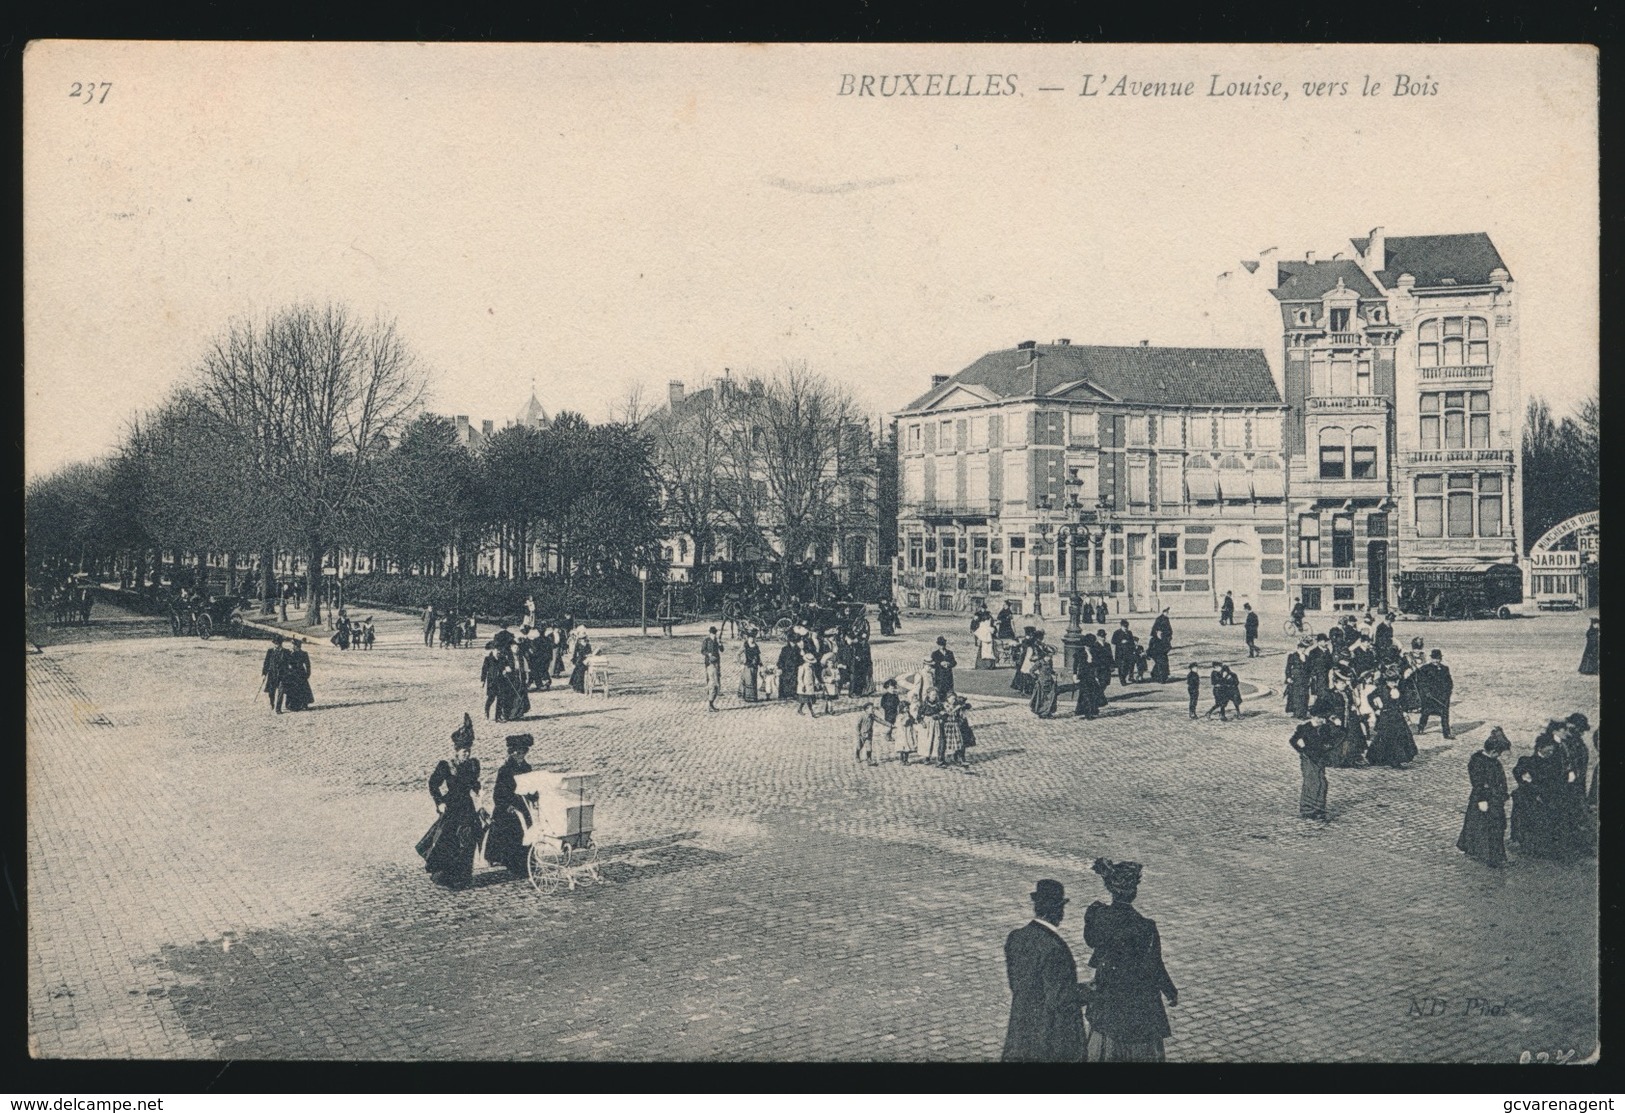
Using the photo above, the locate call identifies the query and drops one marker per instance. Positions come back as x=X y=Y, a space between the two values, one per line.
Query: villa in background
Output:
x=1162 y=468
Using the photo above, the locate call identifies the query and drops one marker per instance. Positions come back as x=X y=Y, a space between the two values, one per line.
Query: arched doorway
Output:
x=1235 y=569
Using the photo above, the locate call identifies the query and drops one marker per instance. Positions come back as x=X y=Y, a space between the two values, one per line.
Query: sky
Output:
x=599 y=218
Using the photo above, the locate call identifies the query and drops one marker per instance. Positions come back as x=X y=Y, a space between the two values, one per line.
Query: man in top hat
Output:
x=942 y=668
x=276 y=664
x=1046 y=1000
x=1434 y=687
x=711 y=656
x=1124 y=651
x=1250 y=629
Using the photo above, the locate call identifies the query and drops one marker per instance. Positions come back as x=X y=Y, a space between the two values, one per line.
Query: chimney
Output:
x=1064 y=342
x=1145 y=343
x=1376 y=252
x=1309 y=257
x=674 y=391
x=1026 y=345
x=485 y=428
x=938 y=380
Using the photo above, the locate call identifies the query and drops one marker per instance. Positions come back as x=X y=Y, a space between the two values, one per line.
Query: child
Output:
x=1193 y=685
x=889 y=705
x=367 y=634
x=866 y=734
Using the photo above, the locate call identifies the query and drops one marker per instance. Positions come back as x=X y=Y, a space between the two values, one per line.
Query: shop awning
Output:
x=1233 y=484
x=1201 y=484
x=1269 y=484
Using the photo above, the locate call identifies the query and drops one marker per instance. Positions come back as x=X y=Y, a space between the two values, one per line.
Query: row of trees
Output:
x=1560 y=465
x=303 y=432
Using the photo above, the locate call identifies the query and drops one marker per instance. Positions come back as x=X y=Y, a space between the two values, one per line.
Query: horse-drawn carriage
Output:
x=206 y=617
x=849 y=619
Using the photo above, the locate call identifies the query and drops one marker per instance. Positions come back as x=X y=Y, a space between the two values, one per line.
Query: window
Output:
x=1332 y=453
x=1080 y=426
x=1168 y=552
x=1460 y=507
x=1015 y=428
x=945 y=436
x=1170 y=480
x=1342 y=541
x=976 y=479
x=1430 y=506
x=1171 y=434
x=1363 y=455
x=1015 y=477
x=977 y=431
x=1309 y=541
x=1018 y=557
x=1266 y=431
x=1362 y=377
x=1340 y=320
x=1489 y=506
x=1478 y=418
x=946 y=492
x=1088 y=476
x=1269 y=482
x=1139 y=488
x=914 y=480
x=1233 y=484
x=914 y=438
x=1204 y=485
x=1455 y=419
x=1234 y=431
x=978 y=553
x=1138 y=431
x=1342 y=375
x=1453 y=342
x=1201 y=431
x=1429 y=407
x=1320 y=375
x=916 y=552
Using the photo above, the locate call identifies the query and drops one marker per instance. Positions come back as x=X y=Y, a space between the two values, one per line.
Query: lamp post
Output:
x=643 y=602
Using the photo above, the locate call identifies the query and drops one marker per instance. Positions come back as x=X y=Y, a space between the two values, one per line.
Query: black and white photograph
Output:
x=793 y=553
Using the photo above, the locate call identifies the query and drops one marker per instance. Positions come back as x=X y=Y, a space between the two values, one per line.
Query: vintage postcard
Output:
x=1042 y=553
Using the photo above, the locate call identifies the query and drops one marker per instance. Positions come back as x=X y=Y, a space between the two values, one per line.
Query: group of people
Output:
x=1118 y=1016
x=449 y=846
x=352 y=633
x=66 y=602
x=813 y=666
x=517 y=664
x=450 y=631
x=285 y=676
x=924 y=717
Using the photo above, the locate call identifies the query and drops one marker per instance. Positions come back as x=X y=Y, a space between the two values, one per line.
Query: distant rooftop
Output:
x=1461 y=259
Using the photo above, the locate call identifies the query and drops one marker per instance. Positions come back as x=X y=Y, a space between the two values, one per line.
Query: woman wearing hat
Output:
x=296 y=680
x=1589 y=658
x=1315 y=743
x=1392 y=743
x=1297 y=681
x=510 y=815
x=448 y=846
x=1538 y=814
x=1126 y=1019
x=1483 y=829
x=1046 y=689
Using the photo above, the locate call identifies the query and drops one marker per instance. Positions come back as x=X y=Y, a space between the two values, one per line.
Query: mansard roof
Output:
x=1305 y=281
x=1136 y=375
x=1466 y=259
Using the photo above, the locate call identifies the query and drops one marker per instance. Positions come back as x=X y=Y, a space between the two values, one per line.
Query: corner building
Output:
x=1402 y=386
x=1174 y=455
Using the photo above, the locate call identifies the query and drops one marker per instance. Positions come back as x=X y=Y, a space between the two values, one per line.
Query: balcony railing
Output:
x=1461 y=456
x=934 y=508
x=1367 y=402
x=1483 y=373
x=1344 y=338
x=1328 y=575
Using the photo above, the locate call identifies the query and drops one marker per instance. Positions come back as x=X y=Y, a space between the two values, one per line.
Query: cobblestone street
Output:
x=209 y=880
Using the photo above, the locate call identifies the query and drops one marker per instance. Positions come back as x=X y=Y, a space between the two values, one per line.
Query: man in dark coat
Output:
x=942 y=668
x=1123 y=650
x=1046 y=1000
x=1102 y=657
x=1319 y=663
x=1382 y=641
x=1250 y=627
x=1227 y=610
x=273 y=670
x=1433 y=690
x=789 y=662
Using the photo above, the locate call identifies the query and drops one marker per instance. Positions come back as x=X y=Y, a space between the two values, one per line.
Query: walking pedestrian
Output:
x=491 y=679
x=1221 y=701
x=296 y=679
x=942 y=668
x=1230 y=684
x=984 y=631
x=1046 y=691
x=890 y=704
x=1250 y=628
x=274 y=670
x=510 y=812
x=1392 y=743
x=1434 y=687
x=1589 y=658
x=1483 y=828
x=1297 y=681
x=1046 y=999
x=1123 y=651
x=579 y=663
x=806 y=685
x=1539 y=826
x=448 y=847
x=1086 y=671
x=1193 y=686
x=1314 y=747
x=711 y=656
x=866 y=734
x=430 y=621
x=1227 y=610
x=750 y=666
x=1127 y=1021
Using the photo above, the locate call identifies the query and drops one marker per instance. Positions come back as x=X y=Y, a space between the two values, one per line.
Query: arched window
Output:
x=1363 y=453
x=1333 y=453
x=1268 y=478
x=1199 y=479
x=1233 y=483
x=1453 y=342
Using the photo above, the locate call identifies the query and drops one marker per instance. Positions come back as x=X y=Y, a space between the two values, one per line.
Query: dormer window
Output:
x=1340 y=320
x=1377 y=314
x=1303 y=317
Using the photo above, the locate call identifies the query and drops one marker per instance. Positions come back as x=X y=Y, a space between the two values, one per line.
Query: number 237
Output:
x=86 y=91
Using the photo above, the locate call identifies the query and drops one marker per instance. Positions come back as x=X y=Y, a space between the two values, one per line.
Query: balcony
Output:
x=1459 y=456
x=1363 y=403
x=936 y=508
x=1345 y=339
x=1304 y=482
x=1481 y=374
x=1327 y=575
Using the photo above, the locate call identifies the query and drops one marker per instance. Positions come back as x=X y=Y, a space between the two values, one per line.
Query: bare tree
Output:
x=688 y=441
x=312 y=398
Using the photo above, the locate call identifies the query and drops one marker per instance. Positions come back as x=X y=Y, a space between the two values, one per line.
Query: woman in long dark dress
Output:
x=578 y=665
x=1297 y=683
x=1538 y=826
x=1090 y=699
x=1392 y=743
x=1483 y=829
x=297 y=695
x=1588 y=659
x=1046 y=689
x=515 y=698
x=1127 y=1023
x=448 y=847
x=750 y=666
x=1157 y=651
x=863 y=667
x=1345 y=718
x=504 y=845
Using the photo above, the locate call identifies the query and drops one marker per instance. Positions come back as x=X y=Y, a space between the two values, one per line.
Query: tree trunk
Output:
x=267 y=581
x=313 y=584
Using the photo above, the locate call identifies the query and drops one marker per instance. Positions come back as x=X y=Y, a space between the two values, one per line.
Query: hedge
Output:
x=602 y=600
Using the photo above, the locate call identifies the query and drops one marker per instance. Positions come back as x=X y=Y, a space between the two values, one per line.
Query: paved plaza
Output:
x=209 y=880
